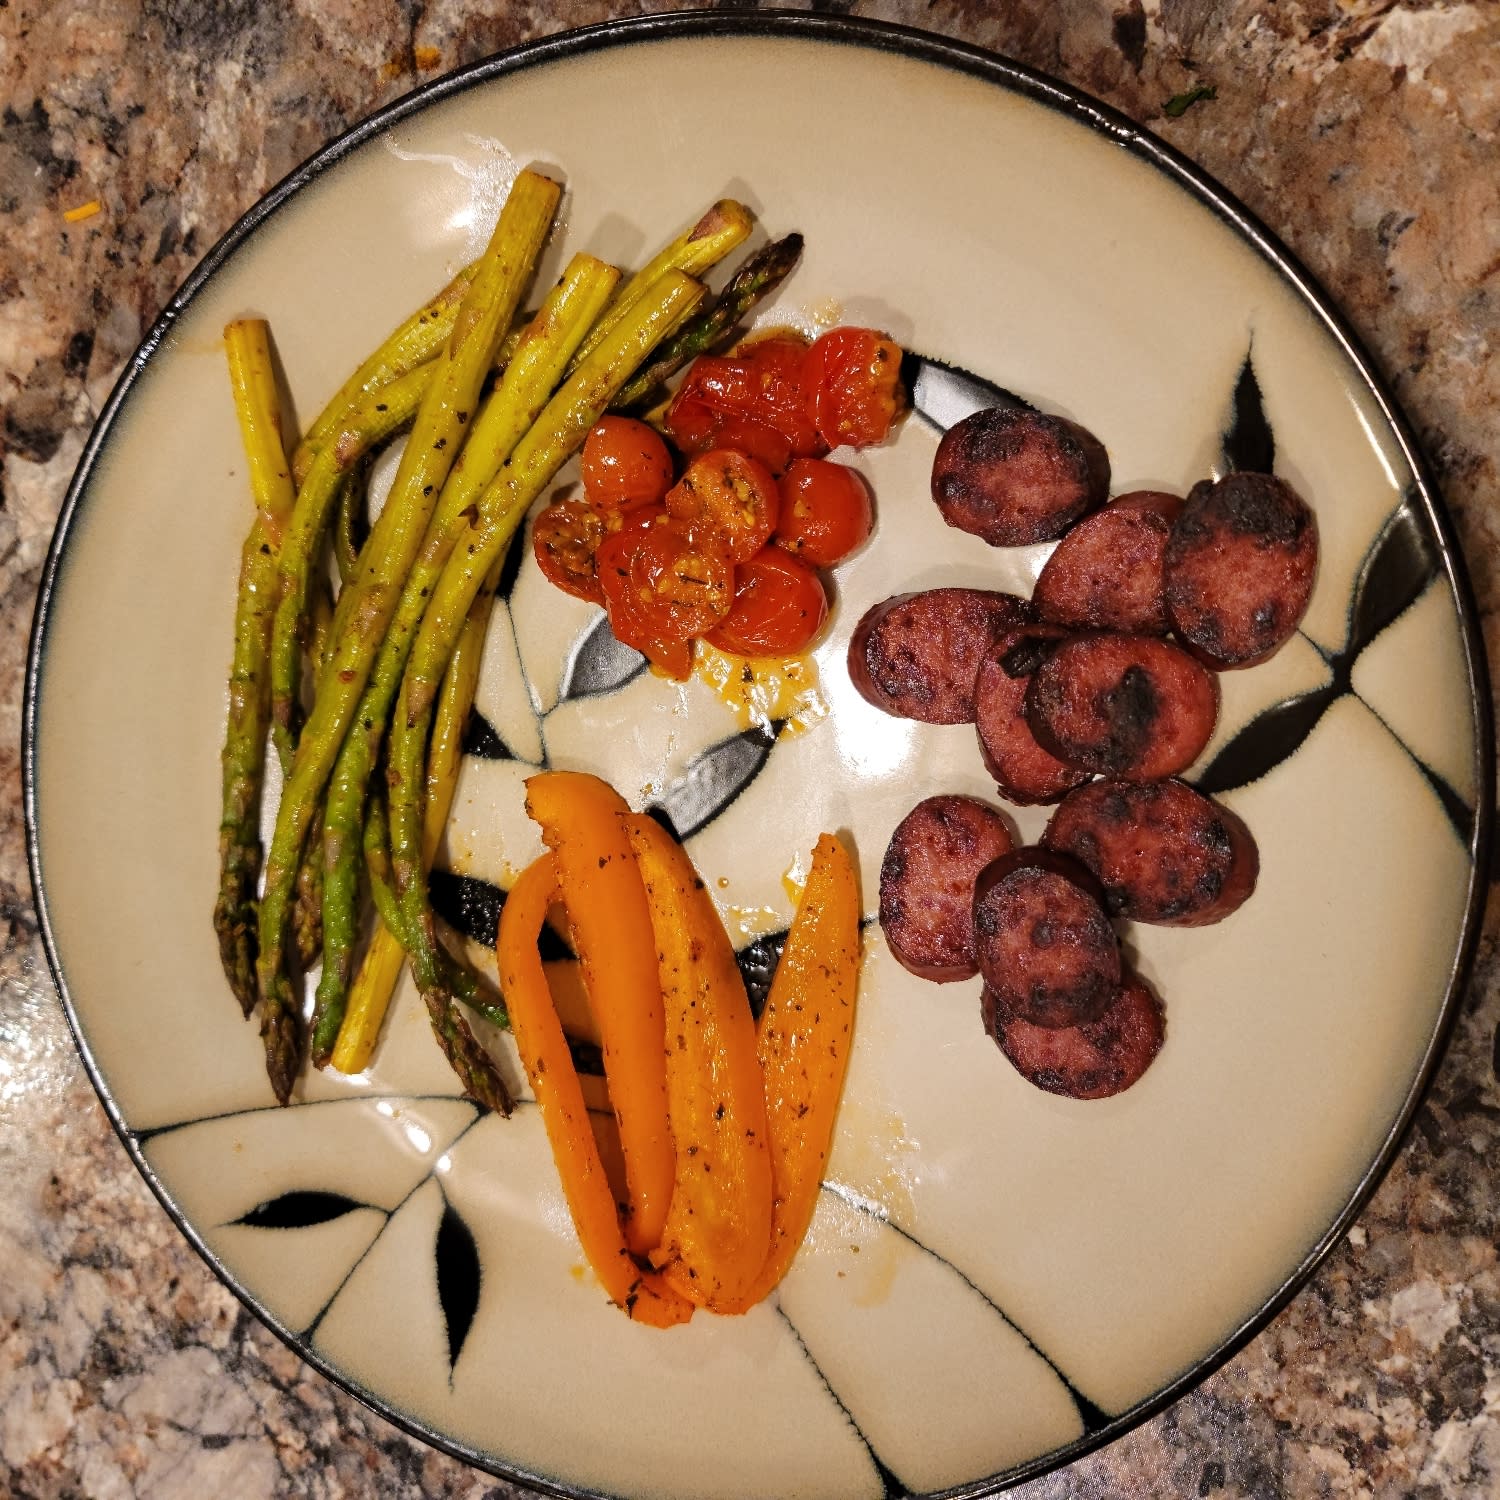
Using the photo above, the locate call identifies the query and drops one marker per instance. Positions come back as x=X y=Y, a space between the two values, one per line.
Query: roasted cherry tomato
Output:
x=825 y=511
x=625 y=465
x=732 y=494
x=663 y=585
x=566 y=538
x=779 y=607
x=752 y=401
x=852 y=379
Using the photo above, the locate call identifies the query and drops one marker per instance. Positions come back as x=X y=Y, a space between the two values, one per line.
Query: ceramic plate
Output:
x=996 y=1279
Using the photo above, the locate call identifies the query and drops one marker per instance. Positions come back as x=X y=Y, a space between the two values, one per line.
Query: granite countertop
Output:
x=1366 y=133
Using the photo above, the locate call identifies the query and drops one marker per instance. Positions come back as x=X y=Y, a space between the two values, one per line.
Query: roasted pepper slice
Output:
x=803 y=1042
x=583 y=822
x=718 y=1229
x=554 y=1080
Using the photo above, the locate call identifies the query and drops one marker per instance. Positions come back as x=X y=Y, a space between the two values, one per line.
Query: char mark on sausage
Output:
x=1123 y=705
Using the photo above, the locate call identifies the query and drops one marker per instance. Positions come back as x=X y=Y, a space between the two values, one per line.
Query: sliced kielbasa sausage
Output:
x=915 y=655
x=927 y=883
x=1013 y=476
x=1043 y=941
x=1123 y=705
x=1023 y=771
x=1239 y=568
x=1106 y=573
x=1163 y=852
x=1091 y=1061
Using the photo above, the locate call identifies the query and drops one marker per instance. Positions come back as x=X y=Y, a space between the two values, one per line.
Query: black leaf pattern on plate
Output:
x=481 y=738
x=458 y=1278
x=1395 y=574
x=942 y=394
x=713 y=780
x=472 y=906
x=1399 y=567
x=299 y=1210
x=1248 y=442
x=1267 y=740
x=757 y=963
x=599 y=664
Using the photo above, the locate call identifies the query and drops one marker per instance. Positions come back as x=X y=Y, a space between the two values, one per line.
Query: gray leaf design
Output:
x=599 y=664
x=713 y=780
x=942 y=394
x=299 y=1210
x=472 y=906
x=458 y=1278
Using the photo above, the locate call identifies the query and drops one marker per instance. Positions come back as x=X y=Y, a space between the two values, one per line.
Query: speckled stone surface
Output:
x=1365 y=132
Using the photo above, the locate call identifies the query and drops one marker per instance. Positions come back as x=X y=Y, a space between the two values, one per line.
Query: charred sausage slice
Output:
x=915 y=655
x=1044 y=944
x=1013 y=476
x=1023 y=771
x=1239 y=568
x=927 y=884
x=1163 y=852
x=1123 y=705
x=1092 y=1061
x=1106 y=573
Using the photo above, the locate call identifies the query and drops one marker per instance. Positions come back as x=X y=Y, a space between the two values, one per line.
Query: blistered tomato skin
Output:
x=565 y=539
x=730 y=494
x=851 y=381
x=625 y=465
x=666 y=583
x=780 y=606
x=826 y=512
x=751 y=401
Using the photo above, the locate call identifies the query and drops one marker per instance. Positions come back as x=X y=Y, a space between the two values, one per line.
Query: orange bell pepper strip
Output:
x=803 y=1042
x=583 y=822
x=718 y=1229
x=544 y=1053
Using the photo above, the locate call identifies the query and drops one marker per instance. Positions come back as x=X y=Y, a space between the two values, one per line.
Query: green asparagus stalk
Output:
x=439 y=427
x=533 y=372
x=415 y=342
x=258 y=408
x=370 y=994
x=754 y=281
x=558 y=433
x=373 y=419
x=474 y=1066
x=695 y=251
